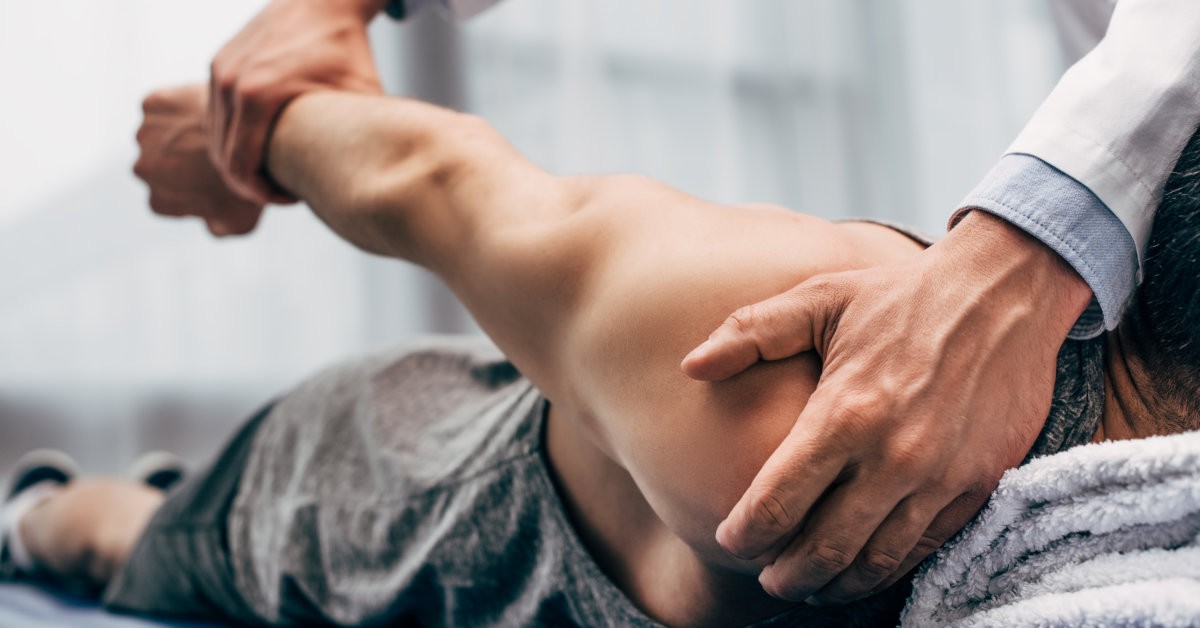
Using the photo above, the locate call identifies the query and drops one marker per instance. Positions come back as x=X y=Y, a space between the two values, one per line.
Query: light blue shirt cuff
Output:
x=1066 y=216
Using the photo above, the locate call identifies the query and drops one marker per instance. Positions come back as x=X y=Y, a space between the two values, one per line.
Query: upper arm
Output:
x=664 y=270
x=595 y=288
x=442 y=189
x=599 y=300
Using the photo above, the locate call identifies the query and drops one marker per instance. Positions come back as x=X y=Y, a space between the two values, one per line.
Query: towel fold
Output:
x=1106 y=534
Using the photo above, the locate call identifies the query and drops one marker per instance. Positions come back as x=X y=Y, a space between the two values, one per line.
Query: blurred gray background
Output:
x=122 y=332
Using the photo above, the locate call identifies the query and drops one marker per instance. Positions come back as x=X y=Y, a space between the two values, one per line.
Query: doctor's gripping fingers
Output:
x=290 y=48
x=937 y=376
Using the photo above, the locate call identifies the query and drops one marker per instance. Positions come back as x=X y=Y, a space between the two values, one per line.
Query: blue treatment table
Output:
x=28 y=606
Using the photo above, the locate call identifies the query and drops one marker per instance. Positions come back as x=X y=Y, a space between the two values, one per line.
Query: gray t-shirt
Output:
x=413 y=486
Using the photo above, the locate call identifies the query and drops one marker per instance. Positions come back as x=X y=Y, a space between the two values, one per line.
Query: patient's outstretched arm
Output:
x=595 y=287
x=405 y=179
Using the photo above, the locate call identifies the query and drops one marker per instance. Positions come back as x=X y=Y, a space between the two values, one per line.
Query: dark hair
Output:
x=1164 y=317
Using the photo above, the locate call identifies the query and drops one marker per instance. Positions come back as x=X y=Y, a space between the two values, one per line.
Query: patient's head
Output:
x=1162 y=326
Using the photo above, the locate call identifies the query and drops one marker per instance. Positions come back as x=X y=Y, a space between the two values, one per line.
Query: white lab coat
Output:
x=1119 y=118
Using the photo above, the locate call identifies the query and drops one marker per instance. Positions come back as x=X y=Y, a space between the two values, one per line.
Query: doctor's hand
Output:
x=291 y=47
x=174 y=162
x=938 y=376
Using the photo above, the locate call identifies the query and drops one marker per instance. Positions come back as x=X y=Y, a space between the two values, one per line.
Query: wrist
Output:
x=992 y=251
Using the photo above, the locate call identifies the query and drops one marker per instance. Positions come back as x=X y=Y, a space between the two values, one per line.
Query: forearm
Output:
x=441 y=189
x=405 y=179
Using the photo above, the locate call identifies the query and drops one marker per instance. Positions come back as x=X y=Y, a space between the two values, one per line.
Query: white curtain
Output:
x=881 y=108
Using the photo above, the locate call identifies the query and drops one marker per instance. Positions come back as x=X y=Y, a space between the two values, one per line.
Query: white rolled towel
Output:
x=1106 y=534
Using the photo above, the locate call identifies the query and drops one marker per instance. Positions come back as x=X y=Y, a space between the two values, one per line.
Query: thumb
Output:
x=777 y=328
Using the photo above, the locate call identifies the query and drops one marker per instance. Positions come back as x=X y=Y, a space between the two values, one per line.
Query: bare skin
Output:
x=595 y=288
x=289 y=48
x=933 y=367
x=938 y=374
x=174 y=162
x=86 y=531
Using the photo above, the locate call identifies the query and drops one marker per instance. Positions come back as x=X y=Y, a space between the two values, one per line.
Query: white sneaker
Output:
x=37 y=475
x=158 y=469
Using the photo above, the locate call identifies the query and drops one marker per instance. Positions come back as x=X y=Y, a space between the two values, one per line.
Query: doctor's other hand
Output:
x=175 y=164
x=938 y=376
x=289 y=48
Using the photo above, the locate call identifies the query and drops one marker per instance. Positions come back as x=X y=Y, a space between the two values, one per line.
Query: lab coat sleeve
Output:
x=1115 y=124
x=1119 y=118
x=458 y=9
x=1067 y=217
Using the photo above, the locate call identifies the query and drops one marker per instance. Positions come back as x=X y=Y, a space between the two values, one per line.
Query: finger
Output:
x=217 y=119
x=218 y=227
x=234 y=217
x=164 y=205
x=779 y=497
x=776 y=328
x=141 y=168
x=254 y=111
x=889 y=553
x=948 y=522
x=836 y=530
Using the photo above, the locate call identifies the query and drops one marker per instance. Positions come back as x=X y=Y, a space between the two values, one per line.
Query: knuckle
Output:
x=141 y=169
x=224 y=79
x=915 y=516
x=768 y=512
x=151 y=102
x=906 y=459
x=822 y=287
x=254 y=89
x=859 y=411
x=879 y=563
x=950 y=487
x=820 y=283
x=926 y=545
x=744 y=319
x=829 y=558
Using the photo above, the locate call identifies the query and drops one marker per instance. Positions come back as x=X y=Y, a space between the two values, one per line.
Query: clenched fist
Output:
x=175 y=163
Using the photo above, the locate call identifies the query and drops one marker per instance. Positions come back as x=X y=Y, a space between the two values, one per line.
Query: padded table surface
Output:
x=30 y=606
